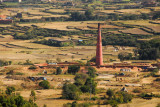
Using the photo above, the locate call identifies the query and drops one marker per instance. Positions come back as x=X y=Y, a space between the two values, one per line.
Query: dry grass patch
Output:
x=135 y=31
x=62 y=25
x=134 y=11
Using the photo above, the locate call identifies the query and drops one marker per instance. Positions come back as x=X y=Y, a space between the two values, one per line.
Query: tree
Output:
x=15 y=101
x=73 y=69
x=89 y=86
x=33 y=95
x=70 y=91
x=45 y=84
x=9 y=90
x=91 y=72
x=80 y=79
x=89 y=14
x=58 y=70
x=124 y=56
x=149 y=50
x=110 y=93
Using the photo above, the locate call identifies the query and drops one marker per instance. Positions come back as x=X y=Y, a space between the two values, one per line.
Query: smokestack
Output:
x=99 y=56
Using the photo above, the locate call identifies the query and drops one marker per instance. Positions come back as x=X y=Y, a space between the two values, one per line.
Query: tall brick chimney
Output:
x=99 y=56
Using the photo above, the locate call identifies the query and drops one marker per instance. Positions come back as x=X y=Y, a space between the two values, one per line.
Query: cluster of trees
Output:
x=51 y=42
x=88 y=15
x=115 y=98
x=34 y=32
x=78 y=16
x=5 y=63
x=84 y=83
x=73 y=69
x=12 y=100
x=149 y=50
x=120 y=39
x=125 y=56
x=75 y=104
x=115 y=16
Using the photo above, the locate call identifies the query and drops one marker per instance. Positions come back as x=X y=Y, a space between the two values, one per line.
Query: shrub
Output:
x=110 y=93
x=80 y=79
x=45 y=84
x=73 y=69
x=32 y=67
x=70 y=91
x=9 y=90
x=136 y=90
x=91 y=72
x=15 y=101
x=58 y=71
x=19 y=73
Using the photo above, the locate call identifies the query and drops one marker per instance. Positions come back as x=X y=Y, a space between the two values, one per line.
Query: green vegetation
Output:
x=9 y=90
x=58 y=70
x=115 y=98
x=15 y=101
x=83 y=84
x=12 y=100
x=73 y=69
x=70 y=91
x=33 y=96
x=28 y=62
x=75 y=104
x=125 y=56
x=149 y=50
x=5 y=63
x=45 y=84
x=32 y=67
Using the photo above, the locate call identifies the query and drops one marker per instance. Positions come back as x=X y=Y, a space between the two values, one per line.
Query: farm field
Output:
x=63 y=25
x=48 y=49
x=17 y=50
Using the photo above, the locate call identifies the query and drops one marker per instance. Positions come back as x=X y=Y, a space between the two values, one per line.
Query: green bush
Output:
x=45 y=84
x=58 y=70
x=73 y=69
x=136 y=90
x=32 y=67
x=70 y=91
x=15 y=101
x=9 y=90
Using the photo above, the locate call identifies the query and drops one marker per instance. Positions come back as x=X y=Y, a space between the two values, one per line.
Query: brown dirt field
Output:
x=155 y=28
x=136 y=22
x=135 y=31
x=134 y=11
x=7 y=38
x=62 y=25
x=142 y=103
x=103 y=26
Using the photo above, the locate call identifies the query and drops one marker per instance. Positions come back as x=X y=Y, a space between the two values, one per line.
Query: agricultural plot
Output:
x=133 y=11
x=63 y=25
x=155 y=28
x=135 y=31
